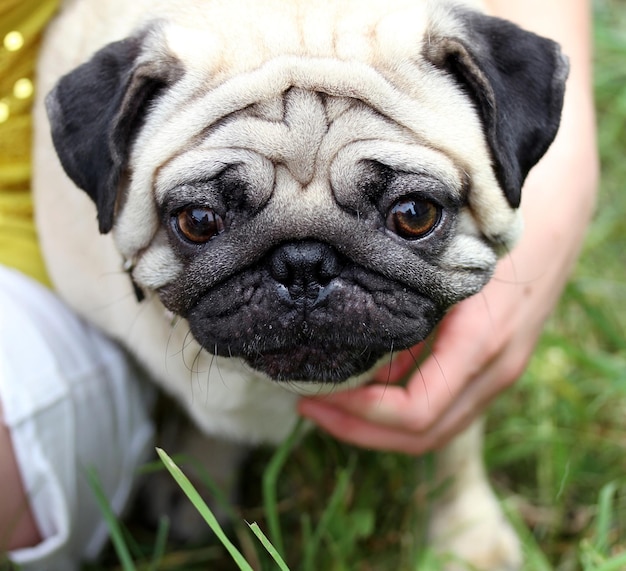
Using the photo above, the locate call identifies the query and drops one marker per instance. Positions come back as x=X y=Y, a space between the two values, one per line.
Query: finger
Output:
x=354 y=430
x=376 y=403
x=478 y=395
x=414 y=408
x=437 y=384
x=357 y=431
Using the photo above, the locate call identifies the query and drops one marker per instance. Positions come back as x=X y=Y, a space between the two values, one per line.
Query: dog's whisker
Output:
x=208 y=380
x=187 y=341
x=173 y=327
x=390 y=363
x=193 y=371
x=431 y=349
x=388 y=379
x=418 y=368
x=195 y=366
x=217 y=364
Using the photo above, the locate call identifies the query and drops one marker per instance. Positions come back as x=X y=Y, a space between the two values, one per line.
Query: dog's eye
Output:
x=199 y=224
x=412 y=218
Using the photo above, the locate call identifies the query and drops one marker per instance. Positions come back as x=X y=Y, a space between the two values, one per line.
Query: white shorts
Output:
x=72 y=401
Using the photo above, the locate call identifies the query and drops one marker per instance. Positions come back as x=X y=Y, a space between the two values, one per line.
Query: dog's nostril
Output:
x=304 y=267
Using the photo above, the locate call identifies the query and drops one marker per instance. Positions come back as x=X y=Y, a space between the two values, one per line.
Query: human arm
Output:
x=483 y=345
x=17 y=523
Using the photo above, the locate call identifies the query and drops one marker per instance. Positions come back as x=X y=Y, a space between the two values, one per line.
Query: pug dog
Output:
x=279 y=194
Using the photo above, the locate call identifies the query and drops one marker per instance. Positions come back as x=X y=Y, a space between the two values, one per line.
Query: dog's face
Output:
x=311 y=194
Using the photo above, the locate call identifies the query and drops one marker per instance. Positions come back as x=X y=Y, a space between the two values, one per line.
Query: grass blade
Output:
x=605 y=517
x=270 y=479
x=160 y=544
x=268 y=546
x=339 y=493
x=204 y=510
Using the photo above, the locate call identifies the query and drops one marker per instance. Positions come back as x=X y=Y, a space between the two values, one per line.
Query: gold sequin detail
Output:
x=21 y=25
x=13 y=41
x=23 y=88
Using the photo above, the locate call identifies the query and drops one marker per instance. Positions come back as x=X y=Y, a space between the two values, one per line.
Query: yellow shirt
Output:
x=21 y=26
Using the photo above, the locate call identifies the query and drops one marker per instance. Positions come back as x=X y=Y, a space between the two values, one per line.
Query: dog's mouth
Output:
x=307 y=314
x=318 y=364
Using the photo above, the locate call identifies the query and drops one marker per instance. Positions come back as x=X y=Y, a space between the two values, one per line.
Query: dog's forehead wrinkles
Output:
x=194 y=168
x=306 y=132
x=292 y=141
x=321 y=141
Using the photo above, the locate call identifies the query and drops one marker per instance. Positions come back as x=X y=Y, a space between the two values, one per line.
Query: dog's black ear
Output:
x=517 y=82
x=95 y=111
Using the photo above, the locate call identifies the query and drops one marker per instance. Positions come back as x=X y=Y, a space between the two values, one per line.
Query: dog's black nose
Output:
x=305 y=268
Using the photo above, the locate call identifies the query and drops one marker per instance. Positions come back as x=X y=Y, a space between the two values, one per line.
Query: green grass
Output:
x=556 y=445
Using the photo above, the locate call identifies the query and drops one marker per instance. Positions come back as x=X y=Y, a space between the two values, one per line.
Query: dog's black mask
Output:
x=281 y=315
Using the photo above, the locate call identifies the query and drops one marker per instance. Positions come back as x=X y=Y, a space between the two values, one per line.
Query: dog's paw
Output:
x=474 y=532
